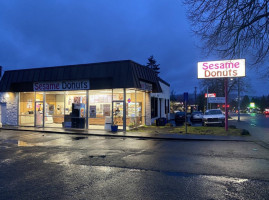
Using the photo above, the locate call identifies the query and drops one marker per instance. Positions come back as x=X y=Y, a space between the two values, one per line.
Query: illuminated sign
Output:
x=221 y=69
x=252 y=105
x=210 y=95
x=62 y=85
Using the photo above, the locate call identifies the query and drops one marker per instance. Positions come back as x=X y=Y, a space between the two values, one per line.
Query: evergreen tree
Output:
x=173 y=96
x=152 y=64
x=245 y=102
x=263 y=103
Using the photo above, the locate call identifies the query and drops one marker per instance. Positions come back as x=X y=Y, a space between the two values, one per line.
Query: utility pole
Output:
x=195 y=97
x=226 y=103
x=238 y=79
x=207 y=98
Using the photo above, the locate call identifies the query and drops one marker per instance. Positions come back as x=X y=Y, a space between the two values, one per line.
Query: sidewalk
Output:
x=130 y=134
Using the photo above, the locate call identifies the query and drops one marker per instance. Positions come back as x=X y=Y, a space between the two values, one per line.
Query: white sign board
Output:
x=222 y=69
x=62 y=85
x=216 y=100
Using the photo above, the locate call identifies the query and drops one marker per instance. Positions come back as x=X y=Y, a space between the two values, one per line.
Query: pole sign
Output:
x=222 y=69
x=210 y=95
x=62 y=85
x=216 y=99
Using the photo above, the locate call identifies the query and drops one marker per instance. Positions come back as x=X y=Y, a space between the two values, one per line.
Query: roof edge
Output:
x=163 y=81
x=59 y=66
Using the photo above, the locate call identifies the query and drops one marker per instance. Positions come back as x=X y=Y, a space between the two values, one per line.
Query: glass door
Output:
x=39 y=113
x=117 y=113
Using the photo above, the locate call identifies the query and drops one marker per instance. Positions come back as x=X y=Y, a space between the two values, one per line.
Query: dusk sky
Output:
x=62 y=32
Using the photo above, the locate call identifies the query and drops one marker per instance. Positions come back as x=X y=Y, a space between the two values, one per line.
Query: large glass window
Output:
x=135 y=108
x=54 y=110
x=69 y=108
x=39 y=96
x=100 y=106
x=27 y=109
x=118 y=108
x=140 y=106
x=75 y=109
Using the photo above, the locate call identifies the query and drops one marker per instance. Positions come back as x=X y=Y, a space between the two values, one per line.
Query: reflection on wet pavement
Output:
x=53 y=142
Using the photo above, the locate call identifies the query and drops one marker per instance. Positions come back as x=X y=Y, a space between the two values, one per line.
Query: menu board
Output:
x=106 y=109
x=92 y=111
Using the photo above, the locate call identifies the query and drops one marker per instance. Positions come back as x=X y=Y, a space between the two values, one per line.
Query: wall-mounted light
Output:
x=6 y=95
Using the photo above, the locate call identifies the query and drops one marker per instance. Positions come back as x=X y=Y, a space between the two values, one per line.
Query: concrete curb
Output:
x=183 y=138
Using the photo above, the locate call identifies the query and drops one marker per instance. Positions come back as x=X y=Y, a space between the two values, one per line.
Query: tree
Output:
x=231 y=27
x=152 y=64
x=201 y=101
x=245 y=102
x=216 y=85
x=173 y=96
x=256 y=100
x=263 y=103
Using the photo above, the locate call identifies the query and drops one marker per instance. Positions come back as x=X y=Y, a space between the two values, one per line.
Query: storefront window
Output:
x=68 y=109
x=118 y=95
x=140 y=107
x=100 y=106
x=131 y=108
x=39 y=96
x=27 y=109
x=54 y=110
x=75 y=109
x=118 y=108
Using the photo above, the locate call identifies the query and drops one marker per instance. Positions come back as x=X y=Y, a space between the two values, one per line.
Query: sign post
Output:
x=185 y=100
x=226 y=104
x=207 y=98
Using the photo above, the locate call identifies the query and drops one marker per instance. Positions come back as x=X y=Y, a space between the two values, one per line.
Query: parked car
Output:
x=196 y=116
x=266 y=112
x=214 y=116
x=180 y=117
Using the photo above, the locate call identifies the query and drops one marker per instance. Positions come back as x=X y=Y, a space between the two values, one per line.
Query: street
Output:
x=58 y=166
x=257 y=124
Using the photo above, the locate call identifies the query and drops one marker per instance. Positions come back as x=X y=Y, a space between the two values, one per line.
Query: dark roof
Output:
x=164 y=82
x=105 y=75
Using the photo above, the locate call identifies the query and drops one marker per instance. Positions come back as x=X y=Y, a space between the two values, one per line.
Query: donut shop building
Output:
x=85 y=96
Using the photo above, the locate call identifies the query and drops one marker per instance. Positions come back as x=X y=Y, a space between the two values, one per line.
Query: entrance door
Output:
x=39 y=113
x=117 y=113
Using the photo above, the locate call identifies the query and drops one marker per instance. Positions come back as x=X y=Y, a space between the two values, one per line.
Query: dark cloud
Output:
x=60 y=32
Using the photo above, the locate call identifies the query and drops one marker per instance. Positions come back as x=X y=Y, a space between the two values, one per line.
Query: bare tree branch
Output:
x=232 y=27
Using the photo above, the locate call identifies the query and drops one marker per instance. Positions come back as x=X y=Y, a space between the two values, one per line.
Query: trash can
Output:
x=114 y=128
x=161 y=121
x=108 y=123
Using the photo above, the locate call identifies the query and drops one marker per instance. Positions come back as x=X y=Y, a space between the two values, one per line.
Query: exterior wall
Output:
x=164 y=95
x=9 y=105
x=148 y=109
